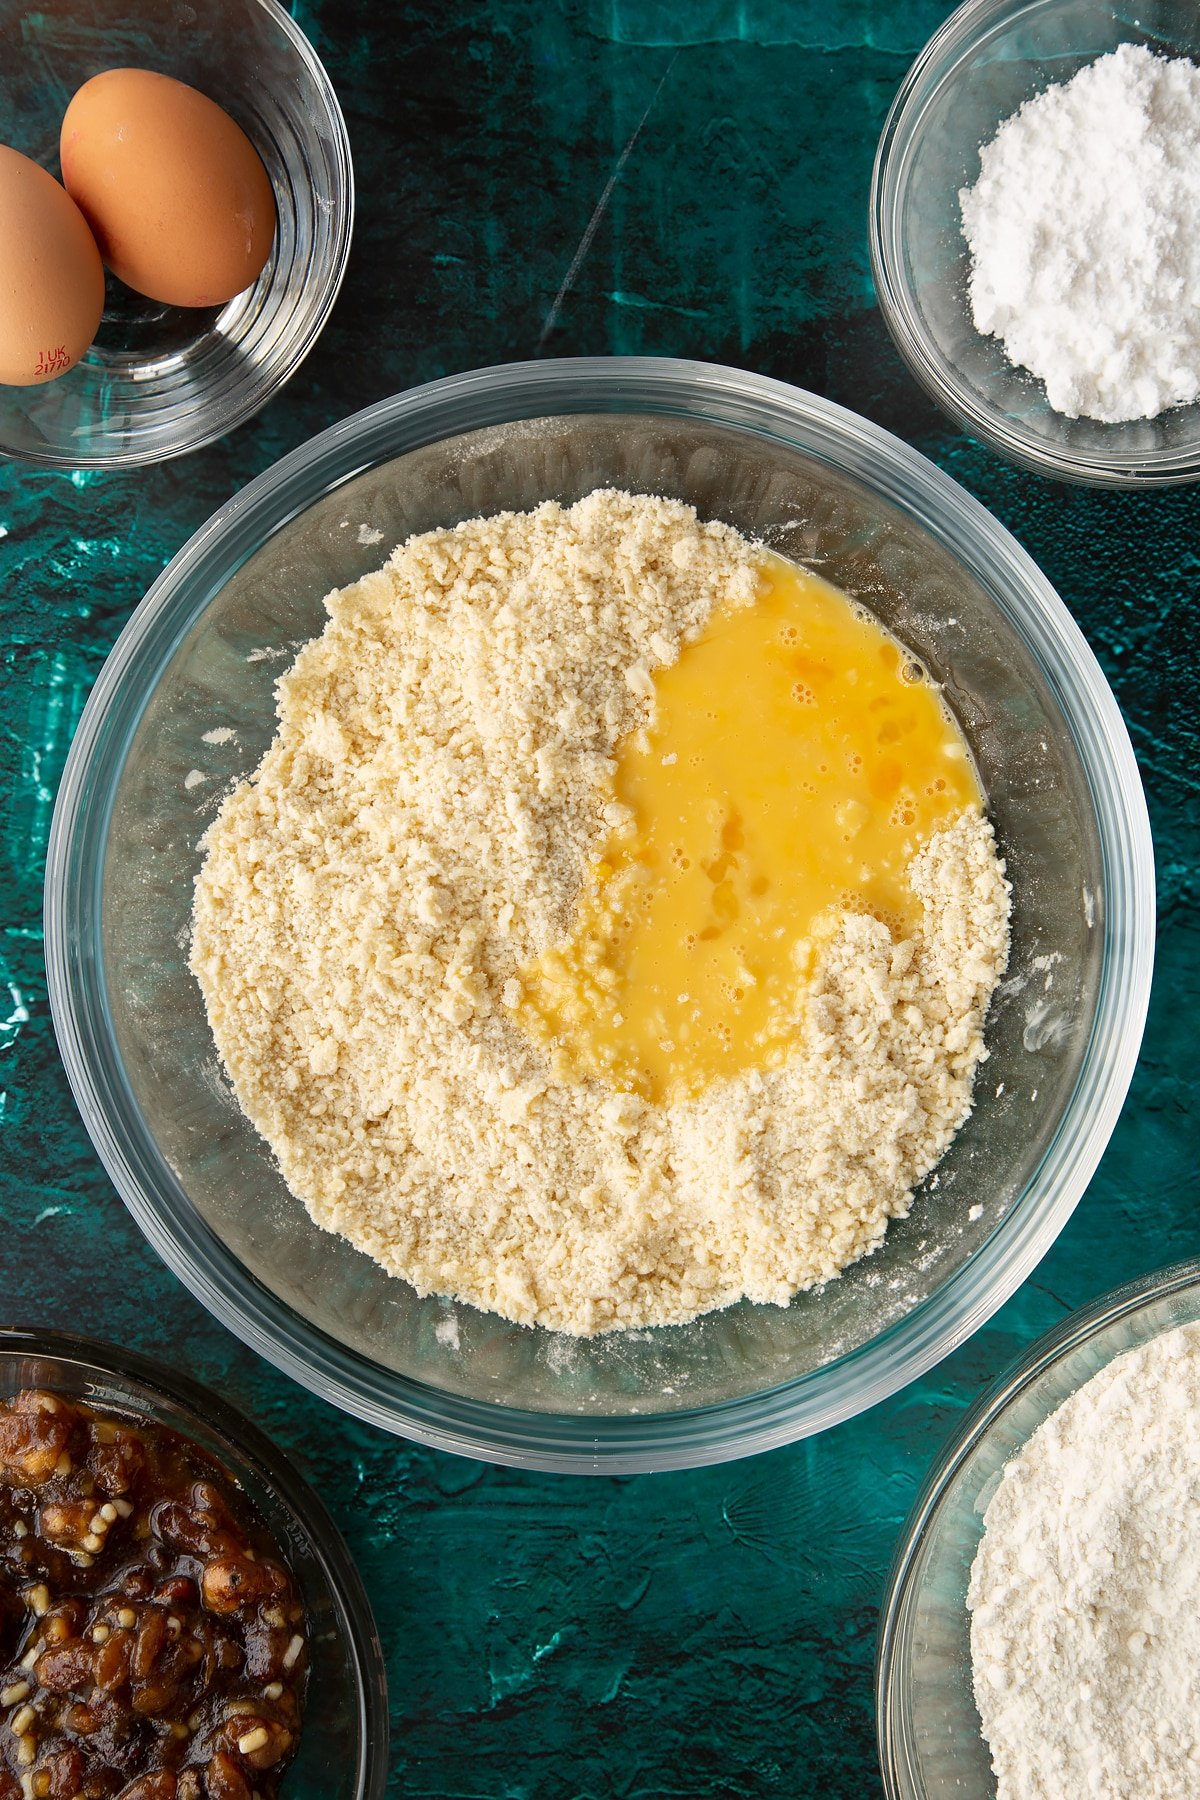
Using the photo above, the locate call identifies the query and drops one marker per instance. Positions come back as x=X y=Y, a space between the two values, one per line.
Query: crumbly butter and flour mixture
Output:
x=1085 y=1590
x=420 y=834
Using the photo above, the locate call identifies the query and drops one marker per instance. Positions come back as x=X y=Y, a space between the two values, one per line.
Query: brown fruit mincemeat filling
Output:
x=152 y=1641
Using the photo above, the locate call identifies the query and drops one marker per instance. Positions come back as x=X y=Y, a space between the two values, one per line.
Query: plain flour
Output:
x=1084 y=233
x=420 y=829
x=1085 y=1591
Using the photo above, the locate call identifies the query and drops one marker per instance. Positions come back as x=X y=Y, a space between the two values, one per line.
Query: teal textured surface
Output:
x=683 y=177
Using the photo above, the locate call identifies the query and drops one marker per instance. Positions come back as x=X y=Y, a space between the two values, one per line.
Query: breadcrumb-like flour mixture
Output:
x=420 y=829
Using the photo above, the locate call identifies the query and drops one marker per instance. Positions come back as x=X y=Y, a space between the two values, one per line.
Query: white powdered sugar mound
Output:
x=1084 y=233
x=1085 y=1591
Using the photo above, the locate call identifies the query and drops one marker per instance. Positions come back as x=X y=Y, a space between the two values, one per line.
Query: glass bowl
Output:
x=198 y=662
x=160 y=380
x=988 y=58
x=931 y=1745
x=342 y=1752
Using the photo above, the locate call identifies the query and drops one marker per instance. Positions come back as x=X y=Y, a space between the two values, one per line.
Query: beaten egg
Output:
x=175 y=192
x=51 y=278
x=796 y=762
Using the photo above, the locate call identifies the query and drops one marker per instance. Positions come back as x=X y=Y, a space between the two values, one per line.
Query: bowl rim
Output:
x=936 y=374
x=277 y=1472
x=997 y=1397
x=600 y=1443
x=234 y=411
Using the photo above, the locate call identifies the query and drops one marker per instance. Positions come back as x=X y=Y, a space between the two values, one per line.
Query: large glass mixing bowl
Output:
x=184 y=707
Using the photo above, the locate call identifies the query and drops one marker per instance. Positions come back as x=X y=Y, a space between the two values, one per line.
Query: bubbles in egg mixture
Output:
x=796 y=761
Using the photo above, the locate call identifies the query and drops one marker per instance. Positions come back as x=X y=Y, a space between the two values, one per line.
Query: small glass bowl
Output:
x=161 y=380
x=931 y=1745
x=988 y=59
x=185 y=707
x=342 y=1752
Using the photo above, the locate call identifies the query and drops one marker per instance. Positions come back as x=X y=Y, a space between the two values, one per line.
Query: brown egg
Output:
x=51 y=278
x=174 y=191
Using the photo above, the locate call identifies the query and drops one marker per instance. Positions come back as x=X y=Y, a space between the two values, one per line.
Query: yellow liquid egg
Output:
x=797 y=760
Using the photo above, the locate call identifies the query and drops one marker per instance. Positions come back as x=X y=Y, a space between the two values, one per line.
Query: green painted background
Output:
x=592 y=176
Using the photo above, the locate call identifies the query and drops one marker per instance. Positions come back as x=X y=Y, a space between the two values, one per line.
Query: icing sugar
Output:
x=1084 y=233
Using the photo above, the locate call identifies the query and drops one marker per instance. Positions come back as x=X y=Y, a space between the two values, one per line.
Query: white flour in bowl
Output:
x=1084 y=233
x=1085 y=1591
